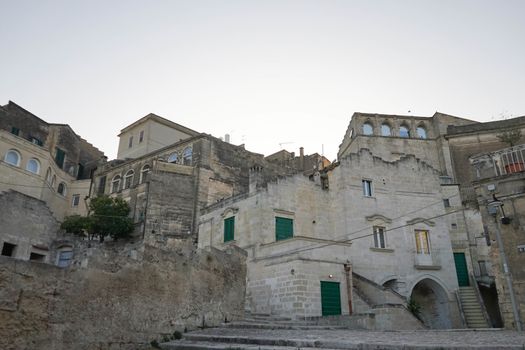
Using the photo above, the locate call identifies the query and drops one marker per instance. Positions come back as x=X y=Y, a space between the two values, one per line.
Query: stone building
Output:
x=45 y=172
x=390 y=209
x=166 y=183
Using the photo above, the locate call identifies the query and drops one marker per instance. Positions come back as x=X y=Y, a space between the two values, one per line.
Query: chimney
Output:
x=301 y=158
x=227 y=138
x=256 y=178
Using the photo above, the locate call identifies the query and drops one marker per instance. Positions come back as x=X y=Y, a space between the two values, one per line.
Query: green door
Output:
x=461 y=269
x=330 y=298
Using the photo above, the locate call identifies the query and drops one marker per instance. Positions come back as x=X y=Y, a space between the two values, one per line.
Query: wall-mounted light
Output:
x=330 y=276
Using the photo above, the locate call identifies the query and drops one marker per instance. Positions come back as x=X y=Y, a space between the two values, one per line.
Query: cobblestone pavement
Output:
x=352 y=339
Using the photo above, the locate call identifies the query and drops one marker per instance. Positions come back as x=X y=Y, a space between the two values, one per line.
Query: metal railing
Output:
x=503 y=162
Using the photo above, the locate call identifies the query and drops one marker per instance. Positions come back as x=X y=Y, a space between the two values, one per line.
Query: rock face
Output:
x=121 y=306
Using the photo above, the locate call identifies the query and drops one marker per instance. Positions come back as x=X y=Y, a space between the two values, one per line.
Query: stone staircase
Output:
x=471 y=308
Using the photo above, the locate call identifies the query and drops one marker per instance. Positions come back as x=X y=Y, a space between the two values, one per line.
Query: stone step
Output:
x=203 y=345
x=291 y=325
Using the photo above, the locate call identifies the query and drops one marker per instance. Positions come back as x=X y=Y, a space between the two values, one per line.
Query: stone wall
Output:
x=118 y=302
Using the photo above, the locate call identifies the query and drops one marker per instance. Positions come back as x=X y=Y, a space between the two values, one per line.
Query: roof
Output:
x=160 y=120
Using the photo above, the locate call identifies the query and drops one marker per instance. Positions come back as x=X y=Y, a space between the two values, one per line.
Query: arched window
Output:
x=115 y=184
x=12 y=157
x=173 y=158
x=386 y=130
x=128 y=179
x=421 y=132
x=61 y=189
x=186 y=155
x=33 y=165
x=144 y=173
x=368 y=129
x=48 y=175
x=53 y=181
x=403 y=131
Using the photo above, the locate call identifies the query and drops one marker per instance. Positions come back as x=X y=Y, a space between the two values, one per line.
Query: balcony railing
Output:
x=503 y=162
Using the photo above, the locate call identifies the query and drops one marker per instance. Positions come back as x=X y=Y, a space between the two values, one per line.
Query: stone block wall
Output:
x=120 y=305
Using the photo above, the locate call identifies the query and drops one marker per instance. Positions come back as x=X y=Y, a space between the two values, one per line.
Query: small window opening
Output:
x=8 y=249
x=15 y=131
x=368 y=129
x=75 y=200
x=37 y=257
x=141 y=136
x=446 y=203
x=379 y=237
x=130 y=143
x=367 y=188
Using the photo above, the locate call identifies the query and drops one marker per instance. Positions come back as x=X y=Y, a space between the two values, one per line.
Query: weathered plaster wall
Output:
x=119 y=302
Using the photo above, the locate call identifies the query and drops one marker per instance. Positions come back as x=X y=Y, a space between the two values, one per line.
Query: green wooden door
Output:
x=330 y=298
x=461 y=269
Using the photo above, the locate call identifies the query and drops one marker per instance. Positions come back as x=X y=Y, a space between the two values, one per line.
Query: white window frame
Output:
x=128 y=179
x=75 y=200
x=37 y=171
x=379 y=237
x=146 y=168
x=367 y=187
x=115 y=183
x=17 y=154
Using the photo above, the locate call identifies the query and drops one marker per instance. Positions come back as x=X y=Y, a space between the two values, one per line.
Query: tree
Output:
x=512 y=137
x=107 y=217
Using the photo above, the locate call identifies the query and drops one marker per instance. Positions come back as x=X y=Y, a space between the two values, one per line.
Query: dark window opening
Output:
x=36 y=141
x=80 y=173
x=130 y=144
x=15 y=131
x=446 y=203
x=141 y=136
x=101 y=185
x=60 y=156
x=37 y=257
x=8 y=249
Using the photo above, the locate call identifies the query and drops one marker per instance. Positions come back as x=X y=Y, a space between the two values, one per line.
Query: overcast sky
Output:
x=266 y=72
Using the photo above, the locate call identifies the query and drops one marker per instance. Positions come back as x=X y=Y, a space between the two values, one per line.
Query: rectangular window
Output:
x=37 y=257
x=8 y=249
x=229 y=229
x=367 y=188
x=60 y=156
x=141 y=136
x=15 y=131
x=379 y=237
x=64 y=258
x=130 y=143
x=422 y=242
x=36 y=141
x=283 y=228
x=75 y=201
x=101 y=185
x=446 y=203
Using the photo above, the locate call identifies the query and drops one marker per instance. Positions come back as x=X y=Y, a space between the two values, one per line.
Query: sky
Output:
x=272 y=74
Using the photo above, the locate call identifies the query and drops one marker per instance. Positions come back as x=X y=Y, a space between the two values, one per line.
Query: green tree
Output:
x=107 y=217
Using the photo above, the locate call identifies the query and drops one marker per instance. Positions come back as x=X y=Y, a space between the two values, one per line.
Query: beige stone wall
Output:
x=117 y=302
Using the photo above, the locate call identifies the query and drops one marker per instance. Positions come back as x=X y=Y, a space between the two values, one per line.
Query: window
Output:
x=15 y=131
x=130 y=142
x=367 y=188
x=421 y=132
x=379 y=237
x=12 y=157
x=48 y=175
x=144 y=173
x=36 y=141
x=33 y=165
x=368 y=129
x=173 y=158
x=446 y=203
x=229 y=229
x=186 y=156
x=101 y=185
x=37 y=257
x=128 y=179
x=483 y=268
x=60 y=156
x=75 y=200
x=422 y=242
x=386 y=130
x=61 y=189
x=141 y=136
x=283 y=228
x=64 y=258
x=115 y=184
x=403 y=131
x=53 y=181
x=8 y=249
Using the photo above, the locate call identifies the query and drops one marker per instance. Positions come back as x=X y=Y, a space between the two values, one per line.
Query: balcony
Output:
x=506 y=161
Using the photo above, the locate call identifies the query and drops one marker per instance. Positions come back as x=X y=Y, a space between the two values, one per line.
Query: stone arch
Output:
x=390 y=282
x=432 y=297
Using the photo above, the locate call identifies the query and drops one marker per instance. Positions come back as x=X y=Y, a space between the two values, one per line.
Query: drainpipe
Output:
x=349 y=286
x=508 y=278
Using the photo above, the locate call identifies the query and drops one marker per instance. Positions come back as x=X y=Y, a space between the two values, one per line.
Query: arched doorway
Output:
x=432 y=302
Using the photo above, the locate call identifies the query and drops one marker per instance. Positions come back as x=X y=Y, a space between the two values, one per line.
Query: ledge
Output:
x=428 y=267
x=382 y=250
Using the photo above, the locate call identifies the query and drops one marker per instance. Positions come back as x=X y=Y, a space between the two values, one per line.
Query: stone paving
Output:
x=226 y=338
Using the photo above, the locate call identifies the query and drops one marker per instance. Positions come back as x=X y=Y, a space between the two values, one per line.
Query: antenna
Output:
x=284 y=143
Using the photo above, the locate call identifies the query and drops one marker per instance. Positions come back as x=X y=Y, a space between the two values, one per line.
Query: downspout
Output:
x=349 y=286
